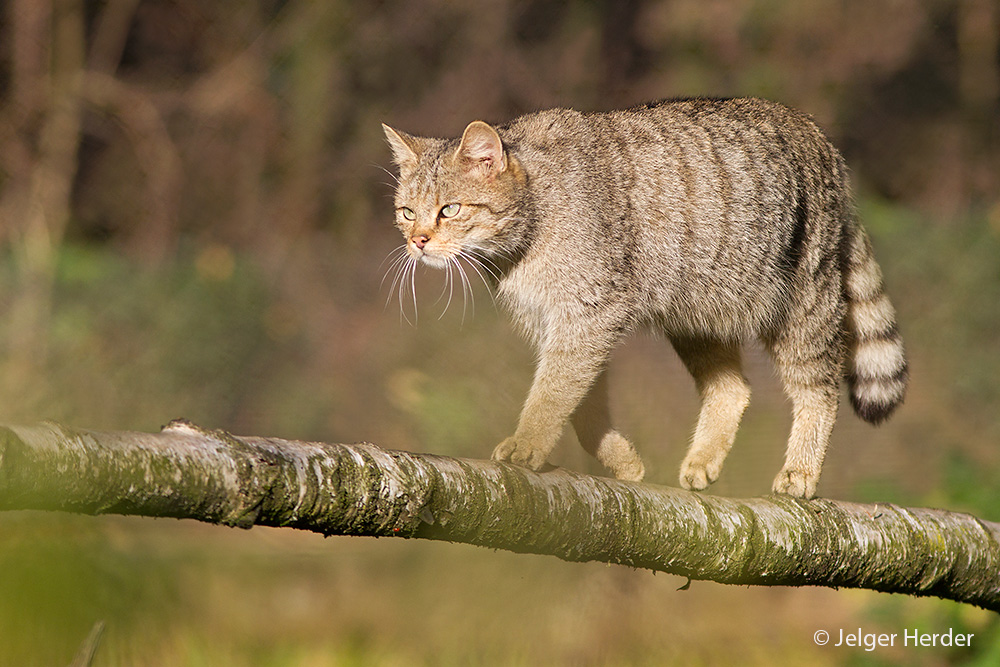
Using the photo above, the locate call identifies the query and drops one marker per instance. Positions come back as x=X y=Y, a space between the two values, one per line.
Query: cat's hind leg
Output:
x=815 y=410
x=592 y=423
x=725 y=394
x=810 y=369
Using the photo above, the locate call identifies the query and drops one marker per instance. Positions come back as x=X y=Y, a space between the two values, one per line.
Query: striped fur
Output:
x=715 y=222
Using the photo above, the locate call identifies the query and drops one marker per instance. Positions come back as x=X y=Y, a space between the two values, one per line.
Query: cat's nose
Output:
x=420 y=240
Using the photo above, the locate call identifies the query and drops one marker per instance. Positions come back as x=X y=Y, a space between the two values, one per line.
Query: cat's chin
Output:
x=434 y=261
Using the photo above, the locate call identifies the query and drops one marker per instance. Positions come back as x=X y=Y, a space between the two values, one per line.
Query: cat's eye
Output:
x=408 y=213
x=450 y=210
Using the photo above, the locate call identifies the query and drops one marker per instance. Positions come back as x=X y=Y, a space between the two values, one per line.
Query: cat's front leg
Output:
x=565 y=372
x=592 y=423
x=539 y=428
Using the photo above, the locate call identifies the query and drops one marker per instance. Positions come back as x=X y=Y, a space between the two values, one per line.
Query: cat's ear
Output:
x=405 y=149
x=481 y=149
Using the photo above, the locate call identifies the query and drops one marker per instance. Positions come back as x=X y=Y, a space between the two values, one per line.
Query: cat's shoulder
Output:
x=544 y=121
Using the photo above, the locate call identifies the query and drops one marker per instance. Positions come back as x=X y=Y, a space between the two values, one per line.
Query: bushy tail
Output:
x=877 y=370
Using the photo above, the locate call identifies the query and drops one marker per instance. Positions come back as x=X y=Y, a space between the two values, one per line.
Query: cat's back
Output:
x=719 y=128
x=743 y=119
x=741 y=148
x=717 y=111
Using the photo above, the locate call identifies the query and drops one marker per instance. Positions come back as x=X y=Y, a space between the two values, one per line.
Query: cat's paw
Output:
x=514 y=451
x=796 y=483
x=618 y=455
x=697 y=474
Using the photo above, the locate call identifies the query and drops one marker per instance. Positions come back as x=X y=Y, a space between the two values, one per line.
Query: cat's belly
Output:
x=718 y=306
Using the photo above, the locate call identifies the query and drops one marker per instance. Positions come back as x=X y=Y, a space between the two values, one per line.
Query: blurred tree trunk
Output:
x=187 y=472
x=47 y=58
x=978 y=38
x=39 y=139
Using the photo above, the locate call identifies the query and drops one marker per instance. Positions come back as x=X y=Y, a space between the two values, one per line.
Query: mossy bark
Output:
x=188 y=472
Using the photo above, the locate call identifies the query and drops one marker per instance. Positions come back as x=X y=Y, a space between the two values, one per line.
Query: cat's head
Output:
x=458 y=198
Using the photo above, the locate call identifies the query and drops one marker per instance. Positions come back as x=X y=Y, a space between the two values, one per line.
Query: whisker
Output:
x=405 y=275
x=402 y=269
x=477 y=264
x=399 y=284
x=449 y=285
x=452 y=266
x=413 y=289
x=391 y=175
x=461 y=276
x=400 y=253
x=395 y=281
x=467 y=293
x=479 y=261
x=483 y=260
x=397 y=250
x=397 y=268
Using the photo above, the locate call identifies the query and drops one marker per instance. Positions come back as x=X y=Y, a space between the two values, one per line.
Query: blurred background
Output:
x=195 y=217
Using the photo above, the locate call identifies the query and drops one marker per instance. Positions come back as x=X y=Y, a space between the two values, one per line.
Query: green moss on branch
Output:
x=189 y=472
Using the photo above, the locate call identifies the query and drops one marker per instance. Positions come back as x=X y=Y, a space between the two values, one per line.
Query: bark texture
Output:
x=189 y=472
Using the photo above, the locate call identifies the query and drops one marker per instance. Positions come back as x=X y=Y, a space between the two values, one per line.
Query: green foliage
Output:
x=936 y=616
x=129 y=345
x=947 y=279
x=971 y=486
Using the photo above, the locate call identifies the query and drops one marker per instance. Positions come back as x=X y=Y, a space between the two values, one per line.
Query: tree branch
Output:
x=188 y=472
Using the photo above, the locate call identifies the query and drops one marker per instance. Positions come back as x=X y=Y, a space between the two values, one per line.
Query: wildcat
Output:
x=713 y=221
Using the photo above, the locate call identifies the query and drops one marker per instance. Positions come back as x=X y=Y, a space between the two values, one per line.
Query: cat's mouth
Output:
x=431 y=256
x=457 y=261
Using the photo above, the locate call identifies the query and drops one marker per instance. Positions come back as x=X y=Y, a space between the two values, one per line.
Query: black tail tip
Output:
x=875 y=399
x=873 y=413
